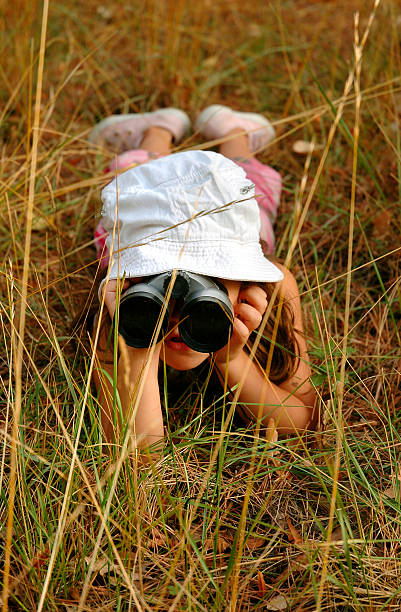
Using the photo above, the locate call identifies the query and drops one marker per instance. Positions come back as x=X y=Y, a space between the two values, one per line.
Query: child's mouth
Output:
x=174 y=341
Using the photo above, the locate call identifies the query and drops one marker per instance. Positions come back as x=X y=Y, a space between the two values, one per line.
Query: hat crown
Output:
x=193 y=210
x=166 y=194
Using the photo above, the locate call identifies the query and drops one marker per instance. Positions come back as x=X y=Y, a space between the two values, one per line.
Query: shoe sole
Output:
x=115 y=119
x=210 y=111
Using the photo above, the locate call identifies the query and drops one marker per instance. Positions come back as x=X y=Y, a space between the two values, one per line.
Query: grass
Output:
x=223 y=520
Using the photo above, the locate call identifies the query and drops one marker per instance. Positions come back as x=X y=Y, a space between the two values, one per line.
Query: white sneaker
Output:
x=216 y=121
x=124 y=132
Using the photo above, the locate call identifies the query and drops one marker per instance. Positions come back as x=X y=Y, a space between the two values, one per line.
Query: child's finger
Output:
x=110 y=302
x=255 y=296
x=111 y=286
x=249 y=315
x=240 y=334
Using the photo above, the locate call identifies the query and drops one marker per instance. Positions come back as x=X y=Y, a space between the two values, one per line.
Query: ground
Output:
x=220 y=522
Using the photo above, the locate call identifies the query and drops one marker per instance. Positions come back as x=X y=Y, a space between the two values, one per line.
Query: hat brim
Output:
x=219 y=260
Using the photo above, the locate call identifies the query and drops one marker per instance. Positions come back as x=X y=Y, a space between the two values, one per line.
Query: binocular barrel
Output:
x=205 y=318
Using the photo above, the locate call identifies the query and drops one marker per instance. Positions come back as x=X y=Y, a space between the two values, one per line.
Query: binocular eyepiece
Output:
x=205 y=318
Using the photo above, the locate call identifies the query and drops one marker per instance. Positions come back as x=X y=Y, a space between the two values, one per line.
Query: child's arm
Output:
x=132 y=362
x=290 y=403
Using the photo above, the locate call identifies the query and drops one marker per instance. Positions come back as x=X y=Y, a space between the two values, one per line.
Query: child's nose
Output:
x=175 y=309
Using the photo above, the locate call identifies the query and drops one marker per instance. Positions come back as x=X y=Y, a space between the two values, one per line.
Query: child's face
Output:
x=176 y=353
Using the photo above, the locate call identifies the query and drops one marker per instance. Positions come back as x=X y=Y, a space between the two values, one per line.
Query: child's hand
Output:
x=109 y=292
x=248 y=314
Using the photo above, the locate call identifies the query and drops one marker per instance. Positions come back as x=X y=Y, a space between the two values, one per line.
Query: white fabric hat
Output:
x=191 y=211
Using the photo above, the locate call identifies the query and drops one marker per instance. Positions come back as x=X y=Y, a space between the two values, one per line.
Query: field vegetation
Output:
x=224 y=519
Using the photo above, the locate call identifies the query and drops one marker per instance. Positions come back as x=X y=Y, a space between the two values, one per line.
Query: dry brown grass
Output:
x=322 y=528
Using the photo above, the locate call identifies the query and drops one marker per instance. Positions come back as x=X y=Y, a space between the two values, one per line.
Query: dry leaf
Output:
x=74 y=594
x=391 y=492
x=336 y=534
x=262 y=587
x=254 y=30
x=103 y=566
x=394 y=490
x=158 y=538
x=224 y=541
x=271 y=432
x=277 y=603
x=271 y=438
x=211 y=61
x=303 y=147
x=254 y=542
x=105 y=12
x=382 y=223
x=293 y=536
x=41 y=222
x=337 y=537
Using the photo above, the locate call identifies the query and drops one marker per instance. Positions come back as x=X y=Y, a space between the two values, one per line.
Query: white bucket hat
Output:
x=191 y=211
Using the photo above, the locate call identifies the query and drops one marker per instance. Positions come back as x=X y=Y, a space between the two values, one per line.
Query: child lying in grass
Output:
x=195 y=213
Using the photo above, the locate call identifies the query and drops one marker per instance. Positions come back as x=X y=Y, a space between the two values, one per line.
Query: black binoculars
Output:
x=205 y=318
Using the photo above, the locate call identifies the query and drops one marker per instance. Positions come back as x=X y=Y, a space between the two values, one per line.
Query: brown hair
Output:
x=278 y=350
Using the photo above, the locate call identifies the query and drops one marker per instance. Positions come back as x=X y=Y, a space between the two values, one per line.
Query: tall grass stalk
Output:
x=358 y=49
x=20 y=347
